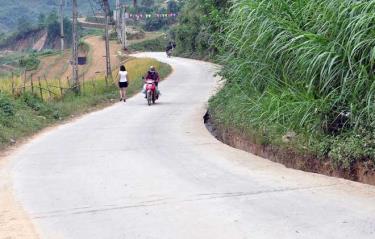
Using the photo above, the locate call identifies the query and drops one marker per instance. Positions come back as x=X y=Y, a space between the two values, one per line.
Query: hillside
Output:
x=29 y=10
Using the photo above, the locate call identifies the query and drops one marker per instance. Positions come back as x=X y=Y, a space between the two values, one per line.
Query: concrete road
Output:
x=134 y=171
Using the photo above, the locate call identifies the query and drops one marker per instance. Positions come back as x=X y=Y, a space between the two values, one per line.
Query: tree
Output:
x=148 y=3
x=173 y=6
x=42 y=20
x=23 y=24
x=52 y=18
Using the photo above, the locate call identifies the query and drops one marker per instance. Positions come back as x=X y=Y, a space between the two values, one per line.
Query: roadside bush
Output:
x=199 y=27
x=32 y=101
x=156 y=24
x=302 y=66
x=157 y=44
x=29 y=62
x=6 y=106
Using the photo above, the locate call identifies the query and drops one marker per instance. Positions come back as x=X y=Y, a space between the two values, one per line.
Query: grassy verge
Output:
x=156 y=44
x=28 y=113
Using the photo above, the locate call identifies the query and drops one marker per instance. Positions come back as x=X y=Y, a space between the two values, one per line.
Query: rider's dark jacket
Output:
x=153 y=75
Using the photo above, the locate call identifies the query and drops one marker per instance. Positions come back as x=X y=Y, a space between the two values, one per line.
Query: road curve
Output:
x=134 y=171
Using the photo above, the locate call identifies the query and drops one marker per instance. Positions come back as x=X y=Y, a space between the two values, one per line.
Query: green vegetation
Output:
x=31 y=10
x=30 y=62
x=28 y=113
x=156 y=24
x=92 y=32
x=156 y=44
x=302 y=66
x=198 y=33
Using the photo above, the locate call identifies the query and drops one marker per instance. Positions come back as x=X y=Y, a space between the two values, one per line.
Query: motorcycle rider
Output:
x=169 y=48
x=152 y=74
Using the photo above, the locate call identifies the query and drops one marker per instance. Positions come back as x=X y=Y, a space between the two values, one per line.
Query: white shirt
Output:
x=123 y=76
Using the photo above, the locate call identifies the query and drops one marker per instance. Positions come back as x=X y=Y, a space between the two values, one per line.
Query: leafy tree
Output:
x=41 y=20
x=24 y=24
x=199 y=28
x=148 y=3
x=154 y=24
x=173 y=6
x=52 y=18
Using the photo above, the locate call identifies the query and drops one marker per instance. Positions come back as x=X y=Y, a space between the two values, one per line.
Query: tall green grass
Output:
x=305 y=66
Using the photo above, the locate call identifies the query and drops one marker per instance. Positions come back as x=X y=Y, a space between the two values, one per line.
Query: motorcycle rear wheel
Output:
x=149 y=97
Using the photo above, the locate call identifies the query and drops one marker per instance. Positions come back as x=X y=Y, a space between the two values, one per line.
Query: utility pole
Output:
x=107 y=50
x=75 y=79
x=118 y=19
x=123 y=27
x=62 y=4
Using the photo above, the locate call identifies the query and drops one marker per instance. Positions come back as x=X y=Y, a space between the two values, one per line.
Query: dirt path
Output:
x=97 y=59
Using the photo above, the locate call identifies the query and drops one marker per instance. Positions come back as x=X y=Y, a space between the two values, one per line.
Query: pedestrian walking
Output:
x=123 y=82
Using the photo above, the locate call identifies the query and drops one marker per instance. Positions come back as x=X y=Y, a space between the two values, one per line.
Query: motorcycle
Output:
x=169 y=53
x=151 y=92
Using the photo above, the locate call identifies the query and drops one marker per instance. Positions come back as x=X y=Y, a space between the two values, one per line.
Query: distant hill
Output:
x=11 y=11
x=29 y=10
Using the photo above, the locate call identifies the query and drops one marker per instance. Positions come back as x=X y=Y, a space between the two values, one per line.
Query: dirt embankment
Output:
x=37 y=39
x=361 y=172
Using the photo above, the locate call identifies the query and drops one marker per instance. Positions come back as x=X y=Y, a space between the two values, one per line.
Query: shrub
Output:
x=157 y=44
x=6 y=106
x=29 y=62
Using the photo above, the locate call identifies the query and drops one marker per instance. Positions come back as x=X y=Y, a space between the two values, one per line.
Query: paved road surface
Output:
x=133 y=171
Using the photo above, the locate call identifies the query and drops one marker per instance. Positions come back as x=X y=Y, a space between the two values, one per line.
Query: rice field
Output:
x=54 y=89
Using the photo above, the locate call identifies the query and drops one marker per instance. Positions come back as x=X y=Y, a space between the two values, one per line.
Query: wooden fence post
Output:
x=60 y=87
x=32 y=83
x=93 y=85
x=83 y=83
x=24 y=83
x=40 y=88
x=67 y=79
x=13 y=90
x=47 y=87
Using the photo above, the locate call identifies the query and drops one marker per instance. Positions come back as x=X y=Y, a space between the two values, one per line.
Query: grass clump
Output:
x=305 y=66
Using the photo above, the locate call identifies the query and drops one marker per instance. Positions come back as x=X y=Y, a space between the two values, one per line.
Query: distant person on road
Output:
x=169 y=46
x=123 y=82
x=169 y=49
